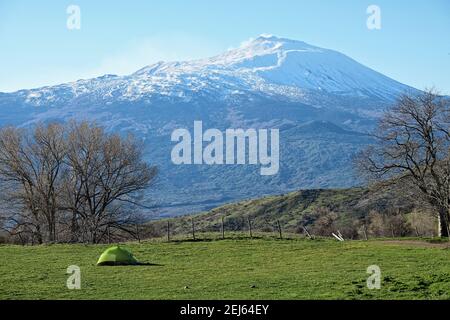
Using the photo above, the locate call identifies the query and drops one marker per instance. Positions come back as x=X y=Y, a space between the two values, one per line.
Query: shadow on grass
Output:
x=191 y=240
x=255 y=237
x=139 y=264
x=148 y=264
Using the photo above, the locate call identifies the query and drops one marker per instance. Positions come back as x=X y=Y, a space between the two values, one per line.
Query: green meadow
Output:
x=235 y=268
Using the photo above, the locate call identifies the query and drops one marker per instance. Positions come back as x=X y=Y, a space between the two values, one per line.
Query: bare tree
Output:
x=422 y=223
x=107 y=172
x=30 y=172
x=325 y=222
x=70 y=181
x=412 y=149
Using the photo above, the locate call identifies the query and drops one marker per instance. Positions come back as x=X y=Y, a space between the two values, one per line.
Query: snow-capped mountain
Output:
x=266 y=65
x=320 y=99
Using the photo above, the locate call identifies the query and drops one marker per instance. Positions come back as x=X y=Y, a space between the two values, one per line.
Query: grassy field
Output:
x=239 y=268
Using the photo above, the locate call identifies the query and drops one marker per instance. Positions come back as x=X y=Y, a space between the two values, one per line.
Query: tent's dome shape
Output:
x=116 y=256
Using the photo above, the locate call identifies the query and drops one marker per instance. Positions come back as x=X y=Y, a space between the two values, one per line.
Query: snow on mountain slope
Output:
x=266 y=65
x=321 y=100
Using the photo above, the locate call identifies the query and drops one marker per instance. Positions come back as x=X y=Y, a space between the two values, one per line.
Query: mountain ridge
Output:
x=266 y=58
x=322 y=101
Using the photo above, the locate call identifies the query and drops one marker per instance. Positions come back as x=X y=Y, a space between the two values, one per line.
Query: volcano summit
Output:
x=321 y=101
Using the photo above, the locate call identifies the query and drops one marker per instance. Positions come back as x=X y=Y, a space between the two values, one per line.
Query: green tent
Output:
x=116 y=256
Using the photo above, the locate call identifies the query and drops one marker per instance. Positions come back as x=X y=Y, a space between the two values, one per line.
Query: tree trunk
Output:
x=39 y=235
x=51 y=230
x=443 y=226
x=74 y=229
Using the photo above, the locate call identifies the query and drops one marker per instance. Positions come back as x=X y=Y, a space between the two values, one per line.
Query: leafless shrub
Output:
x=423 y=223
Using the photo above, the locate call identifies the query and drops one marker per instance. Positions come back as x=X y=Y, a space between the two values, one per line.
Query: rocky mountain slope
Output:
x=322 y=101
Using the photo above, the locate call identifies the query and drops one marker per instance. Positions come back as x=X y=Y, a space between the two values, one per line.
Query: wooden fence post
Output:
x=168 y=231
x=223 y=230
x=193 y=229
x=137 y=233
x=250 y=227
x=279 y=229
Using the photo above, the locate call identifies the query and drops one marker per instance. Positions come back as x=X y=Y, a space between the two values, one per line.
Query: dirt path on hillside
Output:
x=419 y=243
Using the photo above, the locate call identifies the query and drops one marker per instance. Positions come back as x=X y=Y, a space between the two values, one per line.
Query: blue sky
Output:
x=412 y=46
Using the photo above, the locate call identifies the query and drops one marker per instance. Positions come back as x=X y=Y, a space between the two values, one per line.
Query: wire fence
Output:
x=193 y=228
